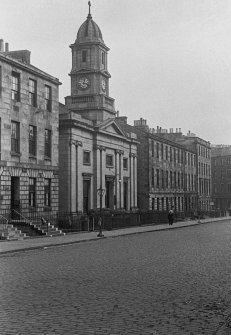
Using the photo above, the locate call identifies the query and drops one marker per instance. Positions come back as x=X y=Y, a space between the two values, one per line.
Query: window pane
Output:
x=84 y=56
x=47 y=192
x=47 y=143
x=86 y=157
x=32 y=191
x=48 y=98
x=15 y=89
x=32 y=92
x=15 y=136
x=125 y=163
x=109 y=160
x=32 y=140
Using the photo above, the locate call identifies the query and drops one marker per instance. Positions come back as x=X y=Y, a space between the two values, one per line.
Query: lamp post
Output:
x=100 y=192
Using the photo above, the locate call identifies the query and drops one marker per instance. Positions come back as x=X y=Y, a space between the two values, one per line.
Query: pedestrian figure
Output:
x=170 y=217
x=100 y=234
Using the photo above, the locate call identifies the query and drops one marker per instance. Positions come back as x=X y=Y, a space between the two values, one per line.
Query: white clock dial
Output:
x=83 y=83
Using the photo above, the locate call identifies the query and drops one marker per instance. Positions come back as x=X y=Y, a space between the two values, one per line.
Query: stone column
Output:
x=121 y=199
x=78 y=177
x=74 y=182
x=71 y=175
x=135 y=182
x=100 y=173
x=116 y=180
x=131 y=179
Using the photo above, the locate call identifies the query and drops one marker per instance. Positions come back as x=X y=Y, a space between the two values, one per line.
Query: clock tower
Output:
x=89 y=74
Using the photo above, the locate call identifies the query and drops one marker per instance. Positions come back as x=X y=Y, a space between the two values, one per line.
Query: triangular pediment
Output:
x=111 y=127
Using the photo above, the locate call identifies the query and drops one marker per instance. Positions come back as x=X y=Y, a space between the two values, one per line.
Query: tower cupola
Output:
x=89 y=74
x=89 y=31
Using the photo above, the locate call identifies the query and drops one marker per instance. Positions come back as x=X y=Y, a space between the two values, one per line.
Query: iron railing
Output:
x=77 y=221
x=3 y=225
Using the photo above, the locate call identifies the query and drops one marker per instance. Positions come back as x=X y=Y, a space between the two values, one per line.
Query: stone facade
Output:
x=28 y=167
x=98 y=160
x=202 y=150
x=221 y=177
x=166 y=171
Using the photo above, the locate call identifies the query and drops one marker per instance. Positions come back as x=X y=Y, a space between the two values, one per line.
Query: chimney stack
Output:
x=1 y=45
x=6 y=47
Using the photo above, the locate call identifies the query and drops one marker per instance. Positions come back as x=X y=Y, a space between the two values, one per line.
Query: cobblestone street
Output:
x=165 y=282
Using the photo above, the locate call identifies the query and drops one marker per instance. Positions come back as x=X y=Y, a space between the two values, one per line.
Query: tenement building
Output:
x=202 y=151
x=98 y=160
x=29 y=109
x=166 y=171
x=221 y=177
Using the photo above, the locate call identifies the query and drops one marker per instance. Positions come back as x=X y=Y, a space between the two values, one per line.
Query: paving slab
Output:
x=44 y=242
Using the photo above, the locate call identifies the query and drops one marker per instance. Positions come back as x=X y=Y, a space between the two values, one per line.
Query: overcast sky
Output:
x=170 y=60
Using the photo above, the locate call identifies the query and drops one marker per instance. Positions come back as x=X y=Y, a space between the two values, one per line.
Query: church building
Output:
x=97 y=159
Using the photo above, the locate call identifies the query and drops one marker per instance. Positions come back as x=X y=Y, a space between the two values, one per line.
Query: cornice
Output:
x=89 y=71
x=89 y=43
x=29 y=68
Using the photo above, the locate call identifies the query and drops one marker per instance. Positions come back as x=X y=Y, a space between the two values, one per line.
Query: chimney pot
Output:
x=1 y=45
x=6 y=47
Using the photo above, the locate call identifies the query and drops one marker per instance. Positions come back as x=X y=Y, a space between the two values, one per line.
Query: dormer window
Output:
x=84 y=56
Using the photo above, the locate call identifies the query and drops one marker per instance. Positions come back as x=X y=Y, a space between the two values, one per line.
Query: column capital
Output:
x=76 y=143
x=99 y=147
x=132 y=155
x=120 y=152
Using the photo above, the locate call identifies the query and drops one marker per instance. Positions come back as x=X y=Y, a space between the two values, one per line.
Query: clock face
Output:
x=83 y=83
x=103 y=84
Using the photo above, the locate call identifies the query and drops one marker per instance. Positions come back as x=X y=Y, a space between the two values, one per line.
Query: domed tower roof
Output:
x=89 y=31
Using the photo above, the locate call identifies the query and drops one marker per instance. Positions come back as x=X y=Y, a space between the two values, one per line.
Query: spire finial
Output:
x=89 y=4
x=89 y=14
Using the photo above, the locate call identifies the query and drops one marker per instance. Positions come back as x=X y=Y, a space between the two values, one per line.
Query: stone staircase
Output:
x=26 y=227
x=47 y=229
x=18 y=227
x=11 y=233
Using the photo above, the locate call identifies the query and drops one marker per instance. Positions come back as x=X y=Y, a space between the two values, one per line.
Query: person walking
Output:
x=170 y=217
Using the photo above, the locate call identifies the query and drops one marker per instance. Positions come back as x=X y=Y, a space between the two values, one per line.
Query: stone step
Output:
x=49 y=230
x=12 y=233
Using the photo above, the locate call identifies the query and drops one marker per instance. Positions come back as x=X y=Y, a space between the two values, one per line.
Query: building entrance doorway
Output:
x=125 y=195
x=15 y=194
x=109 y=196
x=86 y=195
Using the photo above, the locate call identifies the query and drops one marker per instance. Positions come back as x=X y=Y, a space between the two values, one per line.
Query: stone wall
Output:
x=22 y=164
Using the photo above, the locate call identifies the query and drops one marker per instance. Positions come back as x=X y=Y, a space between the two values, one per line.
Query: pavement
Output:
x=72 y=238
